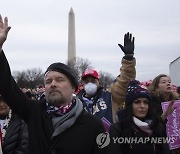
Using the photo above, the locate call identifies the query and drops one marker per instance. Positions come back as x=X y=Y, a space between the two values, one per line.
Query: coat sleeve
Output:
x=119 y=87
x=23 y=140
x=101 y=144
x=115 y=147
x=11 y=93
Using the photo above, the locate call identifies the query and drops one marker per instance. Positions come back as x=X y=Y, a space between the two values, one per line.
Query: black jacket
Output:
x=120 y=143
x=16 y=138
x=80 y=138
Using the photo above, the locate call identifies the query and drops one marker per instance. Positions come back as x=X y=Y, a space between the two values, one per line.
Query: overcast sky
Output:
x=39 y=33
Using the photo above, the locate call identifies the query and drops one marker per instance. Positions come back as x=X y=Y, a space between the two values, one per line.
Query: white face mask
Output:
x=90 y=88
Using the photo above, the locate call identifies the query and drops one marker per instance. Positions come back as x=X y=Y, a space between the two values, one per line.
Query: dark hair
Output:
x=28 y=94
x=40 y=86
x=1 y=98
x=125 y=117
x=178 y=90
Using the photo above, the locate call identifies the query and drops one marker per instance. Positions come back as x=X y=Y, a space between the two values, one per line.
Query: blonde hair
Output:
x=153 y=87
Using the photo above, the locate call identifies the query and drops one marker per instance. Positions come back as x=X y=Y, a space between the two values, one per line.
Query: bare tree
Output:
x=106 y=79
x=79 y=66
x=29 y=78
x=20 y=79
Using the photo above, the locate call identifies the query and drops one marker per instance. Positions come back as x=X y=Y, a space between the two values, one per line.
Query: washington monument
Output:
x=71 y=37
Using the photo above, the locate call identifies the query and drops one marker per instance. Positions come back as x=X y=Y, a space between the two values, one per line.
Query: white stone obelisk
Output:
x=71 y=37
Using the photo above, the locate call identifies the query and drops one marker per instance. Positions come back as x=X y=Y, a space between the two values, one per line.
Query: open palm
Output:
x=4 y=29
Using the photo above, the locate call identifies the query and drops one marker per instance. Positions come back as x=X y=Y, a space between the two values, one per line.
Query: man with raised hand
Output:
x=58 y=125
x=105 y=104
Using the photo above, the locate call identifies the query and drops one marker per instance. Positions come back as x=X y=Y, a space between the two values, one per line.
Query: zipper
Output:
x=130 y=146
x=154 y=148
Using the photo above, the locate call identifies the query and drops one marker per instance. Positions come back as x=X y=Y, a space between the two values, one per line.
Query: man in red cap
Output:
x=90 y=79
x=104 y=104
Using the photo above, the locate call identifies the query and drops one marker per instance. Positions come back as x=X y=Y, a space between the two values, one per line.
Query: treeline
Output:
x=30 y=78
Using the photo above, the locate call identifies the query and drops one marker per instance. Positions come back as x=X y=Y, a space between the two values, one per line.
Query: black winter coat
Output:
x=119 y=145
x=16 y=138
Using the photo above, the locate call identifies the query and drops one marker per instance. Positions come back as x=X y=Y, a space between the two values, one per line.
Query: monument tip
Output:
x=71 y=11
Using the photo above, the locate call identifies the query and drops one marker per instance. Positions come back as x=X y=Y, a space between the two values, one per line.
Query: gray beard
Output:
x=55 y=101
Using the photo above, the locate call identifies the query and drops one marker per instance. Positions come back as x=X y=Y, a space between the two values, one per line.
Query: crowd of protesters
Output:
x=37 y=93
x=82 y=117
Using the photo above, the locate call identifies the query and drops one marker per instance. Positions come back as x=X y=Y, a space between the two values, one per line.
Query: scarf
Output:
x=144 y=126
x=5 y=124
x=59 y=110
x=88 y=105
x=1 y=148
x=64 y=121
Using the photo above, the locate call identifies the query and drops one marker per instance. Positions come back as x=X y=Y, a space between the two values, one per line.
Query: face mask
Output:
x=90 y=88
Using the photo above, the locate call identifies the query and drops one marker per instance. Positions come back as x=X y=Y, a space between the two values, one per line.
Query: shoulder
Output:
x=116 y=126
x=159 y=128
x=90 y=121
x=115 y=129
x=81 y=92
x=17 y=120
x=103 y=93
x=89 y=117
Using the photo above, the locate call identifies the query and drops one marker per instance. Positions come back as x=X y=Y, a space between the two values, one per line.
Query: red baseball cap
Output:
x=90 y=72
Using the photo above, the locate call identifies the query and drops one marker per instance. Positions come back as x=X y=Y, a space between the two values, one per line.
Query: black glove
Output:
x=128 y=47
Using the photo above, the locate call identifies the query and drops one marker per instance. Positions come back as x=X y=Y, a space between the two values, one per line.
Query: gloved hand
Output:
x=128 y=47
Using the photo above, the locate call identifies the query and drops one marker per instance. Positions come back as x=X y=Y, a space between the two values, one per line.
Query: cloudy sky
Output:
x=39 y=33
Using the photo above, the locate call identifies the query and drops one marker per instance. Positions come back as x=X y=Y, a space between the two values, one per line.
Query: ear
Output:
x=98 y=82
x=73 y=89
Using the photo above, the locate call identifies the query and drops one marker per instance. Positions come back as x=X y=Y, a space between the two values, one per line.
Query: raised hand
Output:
x=128 y=47
x=4 y=29
x=169 y=110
